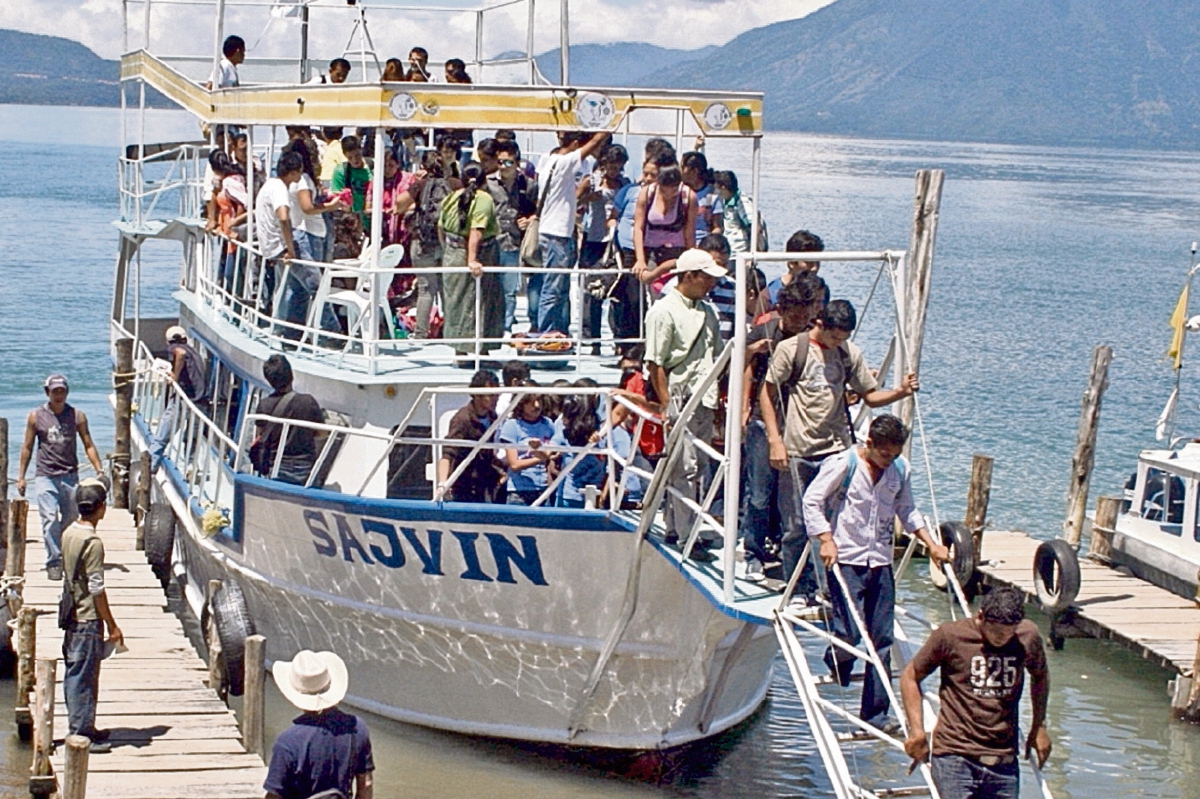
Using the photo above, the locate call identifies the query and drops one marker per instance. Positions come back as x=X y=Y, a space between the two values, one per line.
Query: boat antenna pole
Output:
x=564 y=43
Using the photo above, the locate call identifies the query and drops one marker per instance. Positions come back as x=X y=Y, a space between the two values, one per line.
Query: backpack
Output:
x=835 y=501
x=797 y=370
x=429 y=209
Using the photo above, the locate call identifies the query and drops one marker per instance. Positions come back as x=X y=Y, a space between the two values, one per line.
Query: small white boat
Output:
x=536 y=623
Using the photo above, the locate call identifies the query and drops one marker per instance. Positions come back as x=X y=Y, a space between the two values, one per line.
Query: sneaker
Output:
x=754 y=570
x=54 y=573
x=671 y=539
x=701 y=555
x=100 y=747
x=891 y=727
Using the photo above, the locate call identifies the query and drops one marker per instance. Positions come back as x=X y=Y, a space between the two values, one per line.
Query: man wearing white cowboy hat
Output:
x=325 y=749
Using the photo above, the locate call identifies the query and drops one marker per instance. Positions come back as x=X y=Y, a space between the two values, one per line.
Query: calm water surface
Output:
x=1041 y=255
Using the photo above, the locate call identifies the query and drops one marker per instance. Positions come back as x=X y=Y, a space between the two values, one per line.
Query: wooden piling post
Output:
x=212 y=642
x=14 y=559
x=919 y=279
x=1085 y=446
x=1185 y=703
x=123 y=385
x=26 y=664
x=254 y=700
x=979 y=493
x=41 y=780
x=3 y=479
x=143 y=500
x=1103 y=527
x=76 y=769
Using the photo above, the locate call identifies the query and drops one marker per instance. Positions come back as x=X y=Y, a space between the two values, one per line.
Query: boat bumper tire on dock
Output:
x=160 y=539
x=1056 y=575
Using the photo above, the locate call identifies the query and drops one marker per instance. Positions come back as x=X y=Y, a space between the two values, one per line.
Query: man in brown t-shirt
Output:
x=983 y=662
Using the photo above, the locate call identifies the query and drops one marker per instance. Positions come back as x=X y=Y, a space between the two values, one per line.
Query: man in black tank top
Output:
x=55 y=426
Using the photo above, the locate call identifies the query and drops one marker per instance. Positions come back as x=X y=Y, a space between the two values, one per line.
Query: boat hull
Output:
x=484 y=620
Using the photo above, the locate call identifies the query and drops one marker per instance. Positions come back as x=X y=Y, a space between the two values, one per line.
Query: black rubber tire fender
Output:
x=159 y=539
x=1056 y=576
x=231 y=616
x=964 y=560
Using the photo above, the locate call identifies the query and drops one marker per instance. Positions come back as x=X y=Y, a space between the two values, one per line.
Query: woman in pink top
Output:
x=665 y=216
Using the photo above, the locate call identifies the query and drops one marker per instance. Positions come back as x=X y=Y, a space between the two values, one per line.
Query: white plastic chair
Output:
x=354 y=301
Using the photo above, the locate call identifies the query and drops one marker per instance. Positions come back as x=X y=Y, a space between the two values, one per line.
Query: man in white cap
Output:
x=55 y=427
x=325 y=749
x=682 y=340
x=188 y=374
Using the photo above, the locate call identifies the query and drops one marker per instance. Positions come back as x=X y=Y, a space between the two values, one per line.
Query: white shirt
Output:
x=558 y=210
x=312 y=224
x=864 y=523
x=274 y=195
x=212 y=183
x=225 y=76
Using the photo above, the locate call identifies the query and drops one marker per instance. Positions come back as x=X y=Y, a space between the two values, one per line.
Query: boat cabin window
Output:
x=1162 y=500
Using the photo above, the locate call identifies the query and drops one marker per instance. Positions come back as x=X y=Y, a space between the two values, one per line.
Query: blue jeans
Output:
x=554 y=300
x=158 y=442
x=56 y=506
x=510 y=283
x=873 y=591
x=83 y=649
x=791 y=518
x=760 y=482
x=959 y=777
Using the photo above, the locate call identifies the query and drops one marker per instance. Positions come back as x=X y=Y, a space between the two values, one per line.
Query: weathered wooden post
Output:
x=1103 y=527
x=14 y=558
x=212 y=641
x=143 y=500
x=3 y=479
x=979 y=493
x=76 y=768
x=254 y=700
x=1085 y=446
x=41 y=779
x=918 y=281
x=123 y=385
x=26 y=664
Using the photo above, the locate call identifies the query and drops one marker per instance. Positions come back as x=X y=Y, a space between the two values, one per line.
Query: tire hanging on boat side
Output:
x=1056 y=575
x=231 y=617
x=159 y=538
x=963 y=558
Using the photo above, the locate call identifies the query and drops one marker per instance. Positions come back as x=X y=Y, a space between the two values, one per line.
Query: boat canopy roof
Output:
x=454 y=106
x=1184 y=462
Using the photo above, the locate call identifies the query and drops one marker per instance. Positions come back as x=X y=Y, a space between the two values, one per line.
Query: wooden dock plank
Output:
x=1111 y=604
x=172 y=737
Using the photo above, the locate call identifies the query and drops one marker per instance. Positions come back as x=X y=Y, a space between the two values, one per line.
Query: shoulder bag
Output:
x=66 y=603
x=531 y=251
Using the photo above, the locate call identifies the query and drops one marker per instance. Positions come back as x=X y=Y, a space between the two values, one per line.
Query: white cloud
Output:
x=669 y=23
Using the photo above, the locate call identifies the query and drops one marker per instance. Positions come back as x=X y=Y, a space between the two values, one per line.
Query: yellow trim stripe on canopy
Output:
x=717 y=114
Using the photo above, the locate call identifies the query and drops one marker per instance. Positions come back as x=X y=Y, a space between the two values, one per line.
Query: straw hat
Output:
x=312 y=681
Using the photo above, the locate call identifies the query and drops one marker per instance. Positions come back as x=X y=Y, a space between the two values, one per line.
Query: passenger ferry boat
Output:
x=1157 y=534
x=545 y=624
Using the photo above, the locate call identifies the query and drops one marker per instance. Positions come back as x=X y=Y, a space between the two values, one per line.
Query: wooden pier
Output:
x=1112 y=604
x=172 y=737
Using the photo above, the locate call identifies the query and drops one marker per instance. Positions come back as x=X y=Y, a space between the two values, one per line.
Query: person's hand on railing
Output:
x=476 y=268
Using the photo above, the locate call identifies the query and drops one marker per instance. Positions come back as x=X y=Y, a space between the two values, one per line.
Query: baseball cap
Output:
x=56 y=381
x=695 y=260
x=174 y=332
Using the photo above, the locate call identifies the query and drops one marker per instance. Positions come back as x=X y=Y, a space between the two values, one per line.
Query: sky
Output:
x=685 y=24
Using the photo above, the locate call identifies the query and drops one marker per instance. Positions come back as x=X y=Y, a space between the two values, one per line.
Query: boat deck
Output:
x=752 y=602
x=172 y=737
x=1112 y=604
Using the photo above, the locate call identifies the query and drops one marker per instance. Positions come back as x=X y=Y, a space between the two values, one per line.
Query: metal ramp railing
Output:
x=834 y=740
x=835 y=728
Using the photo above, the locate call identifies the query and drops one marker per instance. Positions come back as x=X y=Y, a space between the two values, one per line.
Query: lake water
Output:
x=1042 y=254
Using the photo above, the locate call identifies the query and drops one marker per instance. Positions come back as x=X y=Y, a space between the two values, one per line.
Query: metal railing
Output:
x=183 y=172
x=200 y=450
x=241 y=297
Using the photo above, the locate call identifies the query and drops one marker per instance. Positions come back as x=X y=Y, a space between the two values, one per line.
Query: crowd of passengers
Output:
x=671 y=232
x=461 y=206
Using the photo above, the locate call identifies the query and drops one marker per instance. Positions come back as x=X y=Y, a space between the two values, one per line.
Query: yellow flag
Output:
x=1178 y=320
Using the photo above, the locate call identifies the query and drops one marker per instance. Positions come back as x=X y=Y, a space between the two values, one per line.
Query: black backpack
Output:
x=429 y=208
